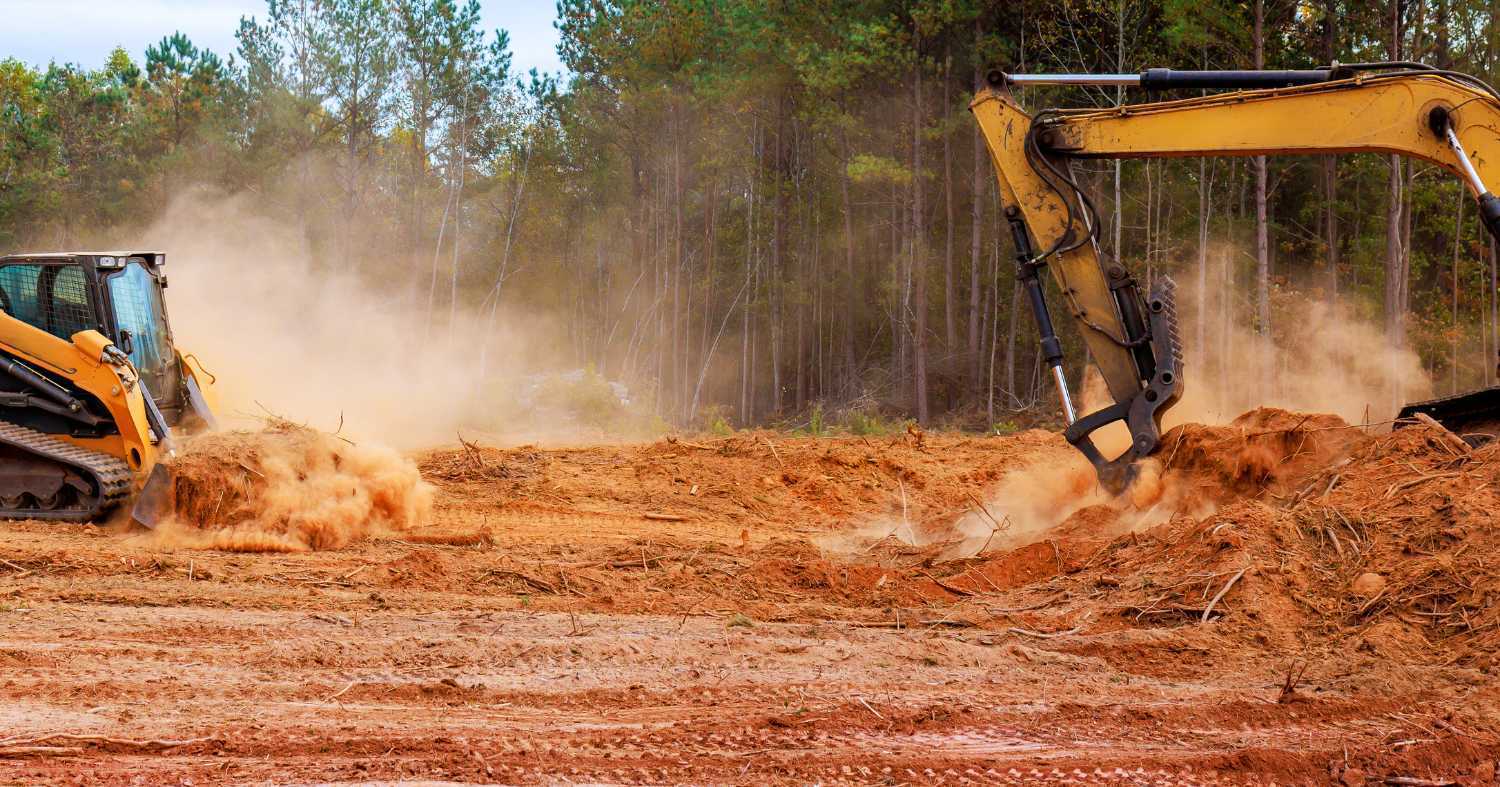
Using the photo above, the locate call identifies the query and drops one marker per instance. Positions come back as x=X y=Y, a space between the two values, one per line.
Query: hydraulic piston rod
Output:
x=1172 y=79
x=1489 y=204
x=1121 y=80
x=1026 y=273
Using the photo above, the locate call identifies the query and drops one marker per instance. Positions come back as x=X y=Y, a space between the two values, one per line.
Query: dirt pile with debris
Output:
x=1264 y=450
x=289 y=488
x=1227 y=622
x=1321 y=535
x=1287 y=530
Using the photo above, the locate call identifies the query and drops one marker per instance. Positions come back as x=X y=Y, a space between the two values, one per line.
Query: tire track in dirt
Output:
x=531 y=694
x=580 y=641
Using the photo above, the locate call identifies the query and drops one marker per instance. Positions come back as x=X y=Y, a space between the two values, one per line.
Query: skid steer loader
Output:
x=91 y=385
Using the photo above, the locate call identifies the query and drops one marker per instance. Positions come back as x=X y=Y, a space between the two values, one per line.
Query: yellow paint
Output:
x=1077 y=272
x=1368 y=114
x=193 y=368
x=80 y=362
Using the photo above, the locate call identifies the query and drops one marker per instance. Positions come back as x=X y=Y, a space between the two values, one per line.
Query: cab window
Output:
x=138 y=310
x=53 y=298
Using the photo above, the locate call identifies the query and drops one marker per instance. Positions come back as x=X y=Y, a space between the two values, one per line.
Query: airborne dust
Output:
x=321 y=376
x=287 y=488
x=318 y=340
x=1331 y=362
x=295 y=338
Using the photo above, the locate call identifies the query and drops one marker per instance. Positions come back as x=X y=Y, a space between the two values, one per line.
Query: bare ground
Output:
x=562 y=636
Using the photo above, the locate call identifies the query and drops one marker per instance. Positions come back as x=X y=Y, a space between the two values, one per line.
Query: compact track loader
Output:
x=91 y=385
x=1444 y=117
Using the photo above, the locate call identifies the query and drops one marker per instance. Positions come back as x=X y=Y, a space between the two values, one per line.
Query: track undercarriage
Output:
x=42 y=477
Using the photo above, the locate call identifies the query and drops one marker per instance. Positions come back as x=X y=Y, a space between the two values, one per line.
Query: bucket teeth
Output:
x=1167 y=340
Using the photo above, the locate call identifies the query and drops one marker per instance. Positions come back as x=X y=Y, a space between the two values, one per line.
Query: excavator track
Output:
x=43 y=477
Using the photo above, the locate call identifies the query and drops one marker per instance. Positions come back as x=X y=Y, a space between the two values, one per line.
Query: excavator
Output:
x=92 y=386
x=1445 y=117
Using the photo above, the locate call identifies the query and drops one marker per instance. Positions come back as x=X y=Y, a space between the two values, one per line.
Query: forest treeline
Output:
x=752 y=208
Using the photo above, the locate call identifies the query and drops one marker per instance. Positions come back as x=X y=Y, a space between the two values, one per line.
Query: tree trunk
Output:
x=1408 y=212
x=1458 y=233
x=1200 y=344
x=1393 y=314
x=778 y=256
x=851 y=281
x=950 y=297
x=1262 y=231
x=1331 y=164
x=898 y=295
x=977 y=229
x=1010 y=342
x=919 y=253
x=747 y=414
x=679 y=265
x=710 y=230
x=1492 y=362
x=798 y=273
x=1394 y=318
x=462 y=160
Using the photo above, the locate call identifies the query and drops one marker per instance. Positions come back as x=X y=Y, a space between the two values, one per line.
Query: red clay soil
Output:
x=1315 y=605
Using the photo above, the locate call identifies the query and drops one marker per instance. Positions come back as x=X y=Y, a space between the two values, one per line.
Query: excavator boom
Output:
x=1447 y=118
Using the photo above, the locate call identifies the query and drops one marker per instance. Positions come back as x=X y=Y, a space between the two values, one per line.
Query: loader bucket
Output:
x=1474 y=416
x=157 y=498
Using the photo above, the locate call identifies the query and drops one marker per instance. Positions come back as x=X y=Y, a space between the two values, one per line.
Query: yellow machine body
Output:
x=1450 y=120
x=80 y=429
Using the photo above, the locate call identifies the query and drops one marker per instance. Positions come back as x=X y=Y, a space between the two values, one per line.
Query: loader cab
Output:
x=118 y=294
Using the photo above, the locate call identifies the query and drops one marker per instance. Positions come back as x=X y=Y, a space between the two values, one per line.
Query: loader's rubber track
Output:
x=108 y=479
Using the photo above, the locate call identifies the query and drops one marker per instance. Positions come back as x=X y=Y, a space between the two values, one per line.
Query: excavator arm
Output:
x=1450 y=119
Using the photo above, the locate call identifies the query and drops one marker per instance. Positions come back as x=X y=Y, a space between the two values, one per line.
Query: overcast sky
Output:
x=84 y=31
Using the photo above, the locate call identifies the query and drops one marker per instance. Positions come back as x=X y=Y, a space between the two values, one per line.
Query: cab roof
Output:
x=54 y=255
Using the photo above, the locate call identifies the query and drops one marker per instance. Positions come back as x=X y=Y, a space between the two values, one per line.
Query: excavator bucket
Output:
x=157 y=498
x=1474 y=416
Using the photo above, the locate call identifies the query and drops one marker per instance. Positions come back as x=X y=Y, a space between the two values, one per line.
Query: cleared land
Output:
x=741 y=610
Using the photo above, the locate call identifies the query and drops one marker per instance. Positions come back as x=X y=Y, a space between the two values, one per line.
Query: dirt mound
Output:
x=761 y=484
x=288 y=488
x=1266 y=448
x=1418 y=512
x=1387 y=551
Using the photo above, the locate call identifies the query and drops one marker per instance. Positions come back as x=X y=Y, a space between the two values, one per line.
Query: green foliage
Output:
x=815 y=425
x=716 y=203
x=869 y=424
x=715 y=420
x=1004 y=427
x=869 y=169
x=585 y=398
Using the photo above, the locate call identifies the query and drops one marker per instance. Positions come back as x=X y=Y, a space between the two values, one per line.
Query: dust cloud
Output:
x=1327 y=361
x=1039 y=500
x=289 y=489
x=1032 y=503
x=318 y=340
x=1330 y=361
x=1028 y=503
